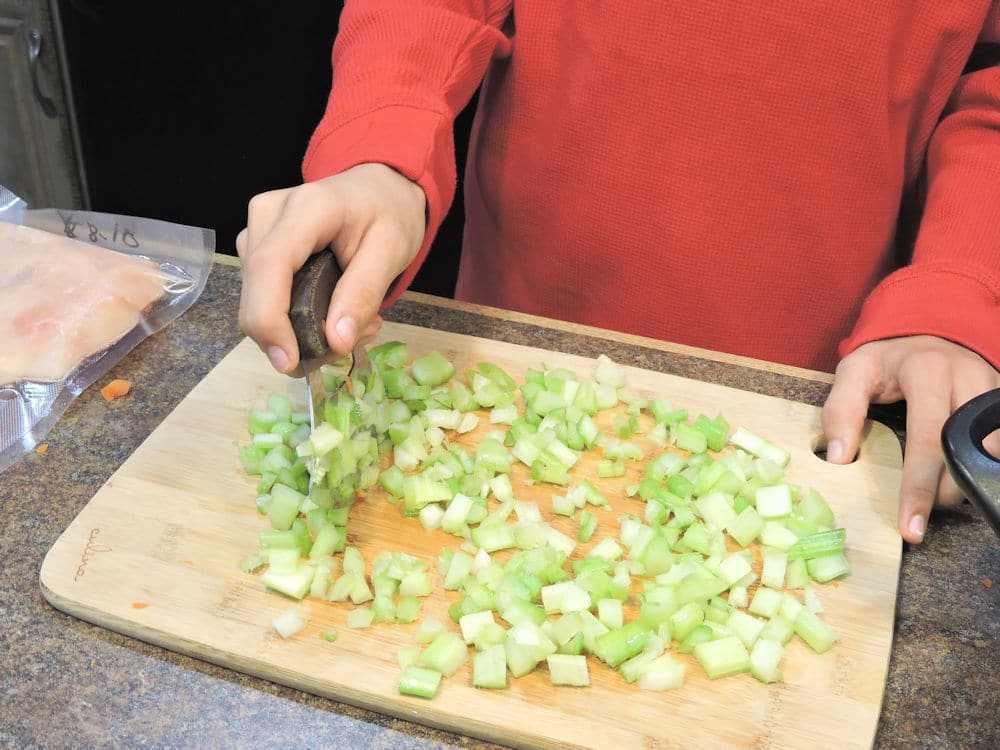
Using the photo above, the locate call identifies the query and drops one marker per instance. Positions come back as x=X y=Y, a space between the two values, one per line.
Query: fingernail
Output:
x=278 y=358
x=918 y=525
x=835 y=451
x=347 y=329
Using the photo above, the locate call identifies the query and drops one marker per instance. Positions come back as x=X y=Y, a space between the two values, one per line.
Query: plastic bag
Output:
x=78 y=293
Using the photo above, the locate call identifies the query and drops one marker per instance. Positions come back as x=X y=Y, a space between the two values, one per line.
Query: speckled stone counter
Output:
x=65 y=683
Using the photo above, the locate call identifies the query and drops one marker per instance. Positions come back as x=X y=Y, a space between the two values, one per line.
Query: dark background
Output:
x=186 y=110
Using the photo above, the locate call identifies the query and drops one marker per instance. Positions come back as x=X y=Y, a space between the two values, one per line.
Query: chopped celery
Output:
x=620 y=644
x=419 y=681
x=361 y=617
x=814 y=631
x=723 y=657
x=289 y=622
x=764 y=659
x=445 y=654
x=489 y=668
x=432 y=370
x=566 y=669
x=823 y=569
x=820 y=544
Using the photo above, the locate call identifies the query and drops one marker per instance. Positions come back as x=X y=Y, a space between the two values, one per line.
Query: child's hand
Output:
x=372 y=218
x=935 y=377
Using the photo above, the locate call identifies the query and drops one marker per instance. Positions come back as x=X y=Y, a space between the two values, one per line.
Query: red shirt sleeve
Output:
x=951 y=289
x=402 y=71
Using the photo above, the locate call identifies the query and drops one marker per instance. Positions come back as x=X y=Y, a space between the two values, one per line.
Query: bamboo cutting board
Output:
x=155 y=555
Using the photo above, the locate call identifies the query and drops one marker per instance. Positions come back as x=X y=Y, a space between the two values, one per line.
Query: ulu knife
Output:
x=312 y=287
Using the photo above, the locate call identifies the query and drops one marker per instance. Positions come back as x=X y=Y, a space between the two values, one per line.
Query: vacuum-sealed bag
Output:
x=78 y=291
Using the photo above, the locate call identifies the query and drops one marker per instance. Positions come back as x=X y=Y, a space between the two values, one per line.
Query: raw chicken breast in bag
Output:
x=78 y=291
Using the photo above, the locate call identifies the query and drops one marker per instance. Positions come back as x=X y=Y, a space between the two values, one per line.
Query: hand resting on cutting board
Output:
x=934 y=377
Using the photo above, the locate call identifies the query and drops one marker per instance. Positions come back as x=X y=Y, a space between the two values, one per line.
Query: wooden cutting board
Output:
x=155 y=555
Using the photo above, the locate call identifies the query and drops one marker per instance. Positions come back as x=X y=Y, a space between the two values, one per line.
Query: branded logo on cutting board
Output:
x=92 y=548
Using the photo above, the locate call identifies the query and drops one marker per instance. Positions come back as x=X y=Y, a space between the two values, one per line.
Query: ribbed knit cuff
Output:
x=417 y=143
x=935 y=301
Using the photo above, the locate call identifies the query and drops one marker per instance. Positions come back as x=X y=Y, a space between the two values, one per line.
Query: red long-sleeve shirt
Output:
x=721 y=174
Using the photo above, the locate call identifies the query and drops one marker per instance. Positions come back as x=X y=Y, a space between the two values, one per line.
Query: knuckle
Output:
x=261 y=202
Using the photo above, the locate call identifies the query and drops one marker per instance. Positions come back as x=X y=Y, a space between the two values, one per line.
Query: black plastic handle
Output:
x=975 y=471
x=312 y=286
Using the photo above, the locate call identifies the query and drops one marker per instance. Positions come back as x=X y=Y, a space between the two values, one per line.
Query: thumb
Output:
x=384 y=253
x=846 y=407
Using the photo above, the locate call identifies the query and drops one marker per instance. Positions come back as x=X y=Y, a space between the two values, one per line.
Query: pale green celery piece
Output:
x=491 y=634
x=764 y=660
x=816 y=633
x=459 y=569
x=431 y=516
x=445 y=654
x=609 y=612
x=526 y=645
x=471 y=624
x=823 y=569
x=796 y=574
x=777 y=535
x=569 y=670
x=283 y=508
x=416 y=584
x=663 y=673
x=687 y=438
x=289 y=623
x=758 y=446
x=746 y=527
x=820 y=544
x=327 y=539
x=632 y=668
x=432 y=370
x=814 y=508
x=716 y=615
x=779 y=629
x=620 y=644
x=733 y=568
x=361 y=617
x=489 y=668
x=723 y=657
x=493 y=536
x=746 y=627
x=701 y=634
x=407 y=609
x=360 y=593
x=419 y=682
x=790 y=607
x=429 y=629
x=766 y=602
x=658 y=605
x=773 y=571
x=354 y=563
x=717 y=509
x=562 y=505
x=686 y=619
x=738 y=596
x=774 y=501
x=563 y=597
x=329 y=635
x=295 y=585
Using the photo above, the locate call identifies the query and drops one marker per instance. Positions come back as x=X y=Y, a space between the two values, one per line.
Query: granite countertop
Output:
x=66 y=683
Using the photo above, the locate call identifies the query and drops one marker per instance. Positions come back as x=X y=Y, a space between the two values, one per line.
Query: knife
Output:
x=312 y=286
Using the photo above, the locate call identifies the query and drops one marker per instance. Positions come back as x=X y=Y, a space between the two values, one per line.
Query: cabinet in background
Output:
x=39 y=149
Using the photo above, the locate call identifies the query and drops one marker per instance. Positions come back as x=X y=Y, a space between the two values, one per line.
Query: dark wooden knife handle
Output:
x=312 y=287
